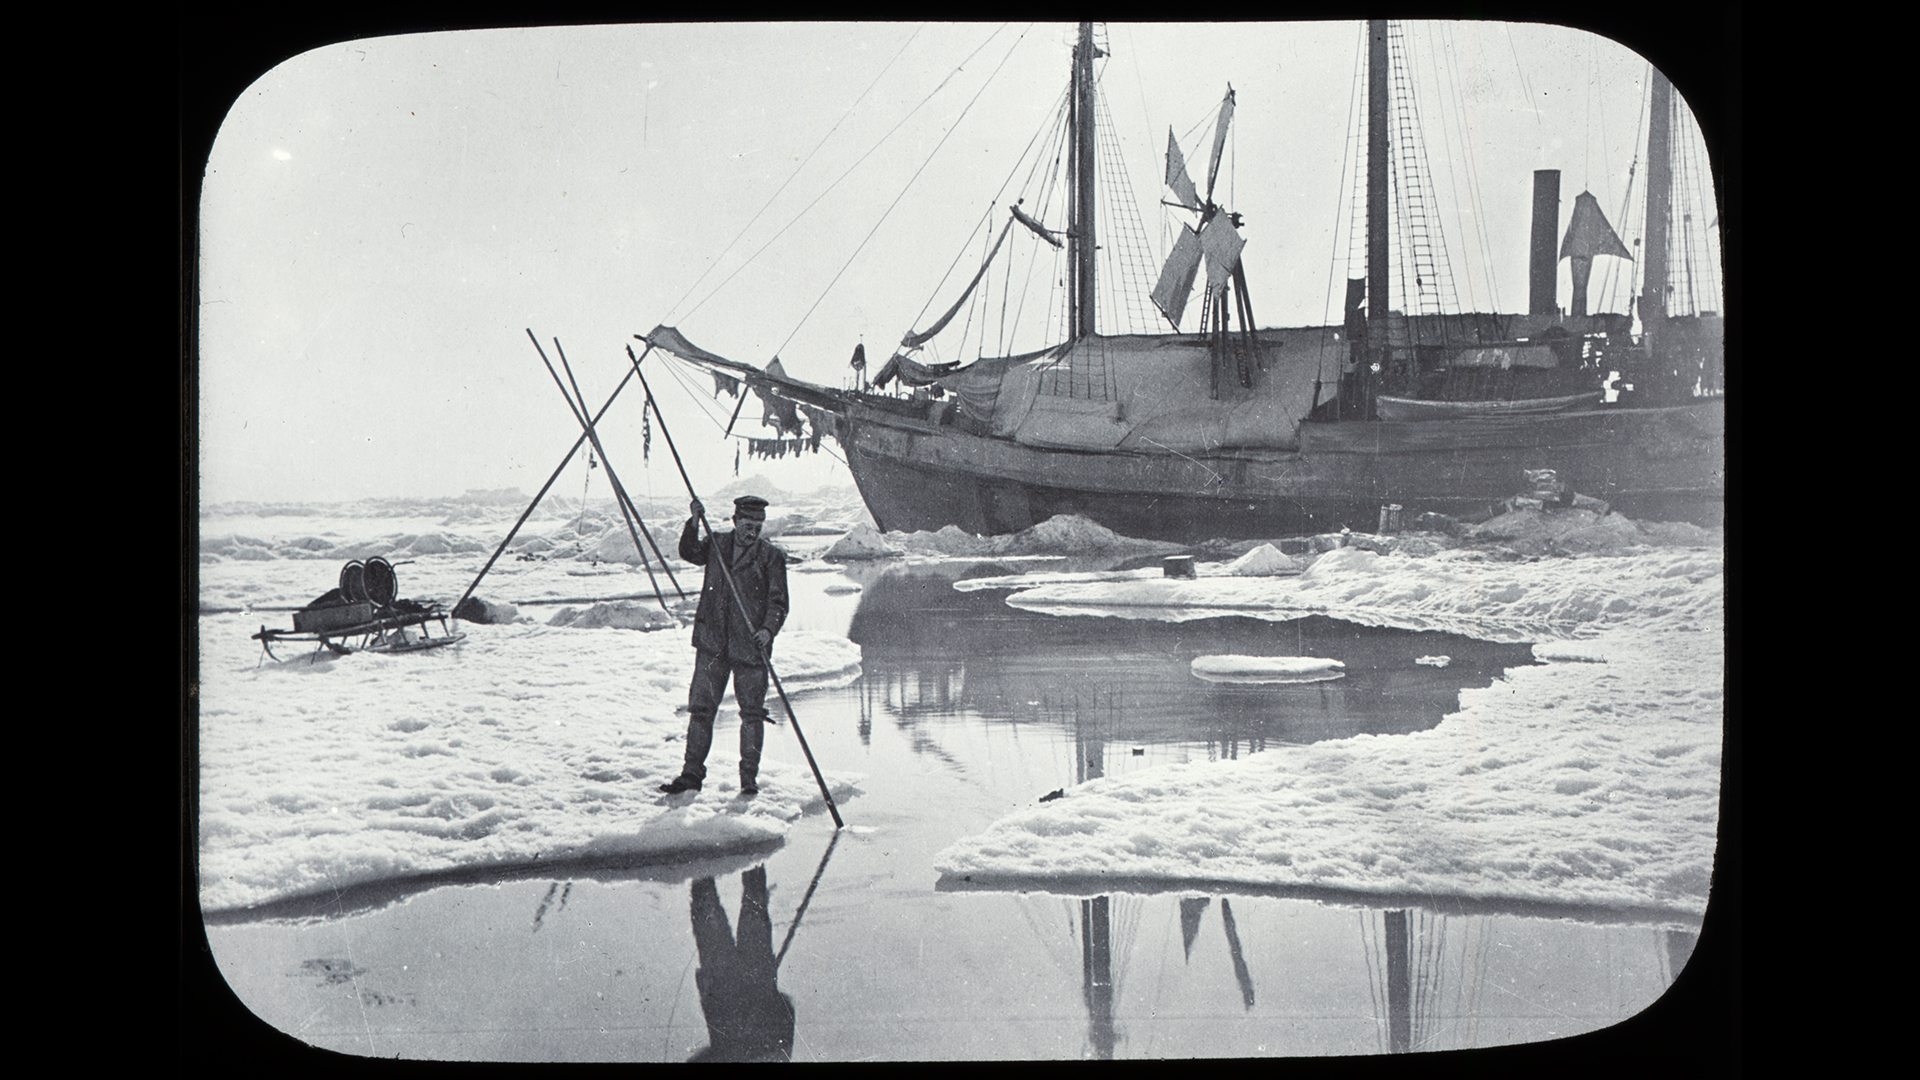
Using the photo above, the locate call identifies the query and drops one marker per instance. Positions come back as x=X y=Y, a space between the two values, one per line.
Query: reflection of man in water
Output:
x=748 y=1018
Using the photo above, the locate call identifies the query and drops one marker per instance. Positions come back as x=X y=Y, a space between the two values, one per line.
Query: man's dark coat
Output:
x=760 y=573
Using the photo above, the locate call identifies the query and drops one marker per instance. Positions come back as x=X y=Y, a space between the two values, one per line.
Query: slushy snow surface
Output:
x=524 y=744
x=1590 y=780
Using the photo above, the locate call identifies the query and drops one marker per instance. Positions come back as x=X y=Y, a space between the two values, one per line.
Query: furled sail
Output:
x=1588 y=234
x=913 y=341
x=1039 y=230
x=1176 y=278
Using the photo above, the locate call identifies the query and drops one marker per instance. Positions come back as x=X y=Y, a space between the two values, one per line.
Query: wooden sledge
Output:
x=390 y=634
x=367 y=619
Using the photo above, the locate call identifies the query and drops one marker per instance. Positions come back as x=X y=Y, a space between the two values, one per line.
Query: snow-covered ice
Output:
x=1574 y=782
x=1590 y=779
x=522 y=745
x=1230 y=668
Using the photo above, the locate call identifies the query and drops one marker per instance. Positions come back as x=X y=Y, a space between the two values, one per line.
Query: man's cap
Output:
x=750 y=506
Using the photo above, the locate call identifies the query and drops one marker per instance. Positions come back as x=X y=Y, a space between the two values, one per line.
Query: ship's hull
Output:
x=1650 y=463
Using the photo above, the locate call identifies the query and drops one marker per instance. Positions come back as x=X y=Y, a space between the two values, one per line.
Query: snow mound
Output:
x=1263 y=561
x=950 y=540
x=864 y=542
x=1346 y=560
x=616 y=546
x=487 y=612
x=1266 y=669
x=1071 y=534
x=1576 y=530
x=1064 y=534
x=624 y=615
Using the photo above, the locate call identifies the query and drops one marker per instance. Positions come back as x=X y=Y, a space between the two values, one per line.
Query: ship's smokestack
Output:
x=1542 y=265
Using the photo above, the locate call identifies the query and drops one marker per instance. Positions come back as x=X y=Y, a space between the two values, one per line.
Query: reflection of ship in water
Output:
x=1427 y=973
x=928 y=649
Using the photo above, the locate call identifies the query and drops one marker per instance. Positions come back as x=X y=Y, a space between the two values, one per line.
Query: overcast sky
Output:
x=383 y=219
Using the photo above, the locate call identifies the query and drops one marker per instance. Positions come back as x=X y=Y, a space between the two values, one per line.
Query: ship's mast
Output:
x=1377 y=166
x=1653 y=295
x=1080 y=232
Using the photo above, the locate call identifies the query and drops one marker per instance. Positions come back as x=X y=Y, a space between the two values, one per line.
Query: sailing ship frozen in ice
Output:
x=1235 y=431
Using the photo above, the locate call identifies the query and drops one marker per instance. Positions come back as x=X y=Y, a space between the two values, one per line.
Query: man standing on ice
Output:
x=725 y=644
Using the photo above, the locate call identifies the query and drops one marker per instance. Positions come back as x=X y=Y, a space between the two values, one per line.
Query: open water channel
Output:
x=846 y=945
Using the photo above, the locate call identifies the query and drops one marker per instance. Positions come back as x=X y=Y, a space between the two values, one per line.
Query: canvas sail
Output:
x=1588 y=234
x=1176 y=278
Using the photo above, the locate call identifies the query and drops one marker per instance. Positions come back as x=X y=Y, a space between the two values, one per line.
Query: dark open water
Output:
x=968 y=710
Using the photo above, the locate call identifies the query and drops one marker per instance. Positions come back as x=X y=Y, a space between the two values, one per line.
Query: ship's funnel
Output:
x=1541 y=261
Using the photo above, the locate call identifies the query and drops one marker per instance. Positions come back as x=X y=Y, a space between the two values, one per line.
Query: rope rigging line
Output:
x=1612 y=279
x=1124 y=215
x=1449 y=64
x=1050 y=184
x=849 y=172
x=1348 y=166
x=909 y=184
x=992 y=204
x=979 y=302
x=700 y=400
x=790 y=177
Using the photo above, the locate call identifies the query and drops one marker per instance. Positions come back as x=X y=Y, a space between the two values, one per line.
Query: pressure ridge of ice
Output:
x=1589 y=780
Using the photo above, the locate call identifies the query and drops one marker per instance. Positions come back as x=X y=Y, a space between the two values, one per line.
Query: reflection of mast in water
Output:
x=1413 y=943
x=1678 y=950
x=1097 y=970
x=1096 y=928
x=1399 y=984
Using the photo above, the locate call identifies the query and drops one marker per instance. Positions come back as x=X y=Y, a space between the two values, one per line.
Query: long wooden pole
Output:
x=593 y=435
x=734 y=590
x=619 y=489
x=625 y=501
x=562 y=467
